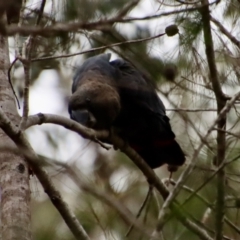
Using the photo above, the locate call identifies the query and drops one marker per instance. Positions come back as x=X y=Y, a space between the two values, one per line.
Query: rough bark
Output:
x=14 y=174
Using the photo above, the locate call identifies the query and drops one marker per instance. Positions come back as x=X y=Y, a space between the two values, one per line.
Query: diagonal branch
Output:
x=183 y=177
x=206 y=202
x=54 y=195
x=120 y=144
x=85 y=132
x=98 y=48
x=91 y=134
x=191 y=109
x=126 y=215
x=226 y=32
x=124 y=212
x=123 y=12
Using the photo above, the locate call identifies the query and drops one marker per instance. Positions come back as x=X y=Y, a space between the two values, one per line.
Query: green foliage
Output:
x=84 y=10
x=191 y=26
x=231 y=9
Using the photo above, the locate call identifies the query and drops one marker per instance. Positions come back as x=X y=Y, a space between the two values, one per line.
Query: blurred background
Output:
x=178 y=66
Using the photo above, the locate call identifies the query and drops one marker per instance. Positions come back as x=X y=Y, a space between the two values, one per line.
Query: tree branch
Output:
x=185 y=174
x=54 y=195
x=120 y=144
x=192 y=109
x=195 y=192
x=85 y=132
x=98 y=48
x=204 y=200
x=125 y=214
x=59 y=28
x=111 y=201
x=225 y=32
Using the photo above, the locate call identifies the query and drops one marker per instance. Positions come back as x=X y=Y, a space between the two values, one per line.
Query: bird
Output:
x=116 y=95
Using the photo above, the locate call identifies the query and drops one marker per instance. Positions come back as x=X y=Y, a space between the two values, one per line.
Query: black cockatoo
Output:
x=113 y=94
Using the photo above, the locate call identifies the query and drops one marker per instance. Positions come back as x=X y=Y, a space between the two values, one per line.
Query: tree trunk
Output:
x=14 y=174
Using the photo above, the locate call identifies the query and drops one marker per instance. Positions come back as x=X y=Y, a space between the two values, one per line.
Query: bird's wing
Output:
x=143 y=121
x=135 y=89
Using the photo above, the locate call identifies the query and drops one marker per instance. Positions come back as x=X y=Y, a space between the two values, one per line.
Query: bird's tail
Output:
x=174 y=154
x=161 y=152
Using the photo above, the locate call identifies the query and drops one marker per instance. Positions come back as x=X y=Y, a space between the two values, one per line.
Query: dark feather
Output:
x=115 y=94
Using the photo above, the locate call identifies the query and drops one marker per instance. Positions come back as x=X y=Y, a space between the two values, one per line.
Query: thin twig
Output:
x=101 y=144
x=141 y=208
x=40 y=12
x=17 y=53
x=204 y=200
x=98 y=48
x=201 y=85
x=26 y=66
x=192 y=109
x=185 y=174
x=127 y=8
x=223 y=165
x=126 y=215
x=226 y=32
x=10 y=81
x=120 y=144
x=237 y=135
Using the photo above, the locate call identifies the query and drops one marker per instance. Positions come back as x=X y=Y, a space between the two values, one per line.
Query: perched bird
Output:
x=113 y=94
